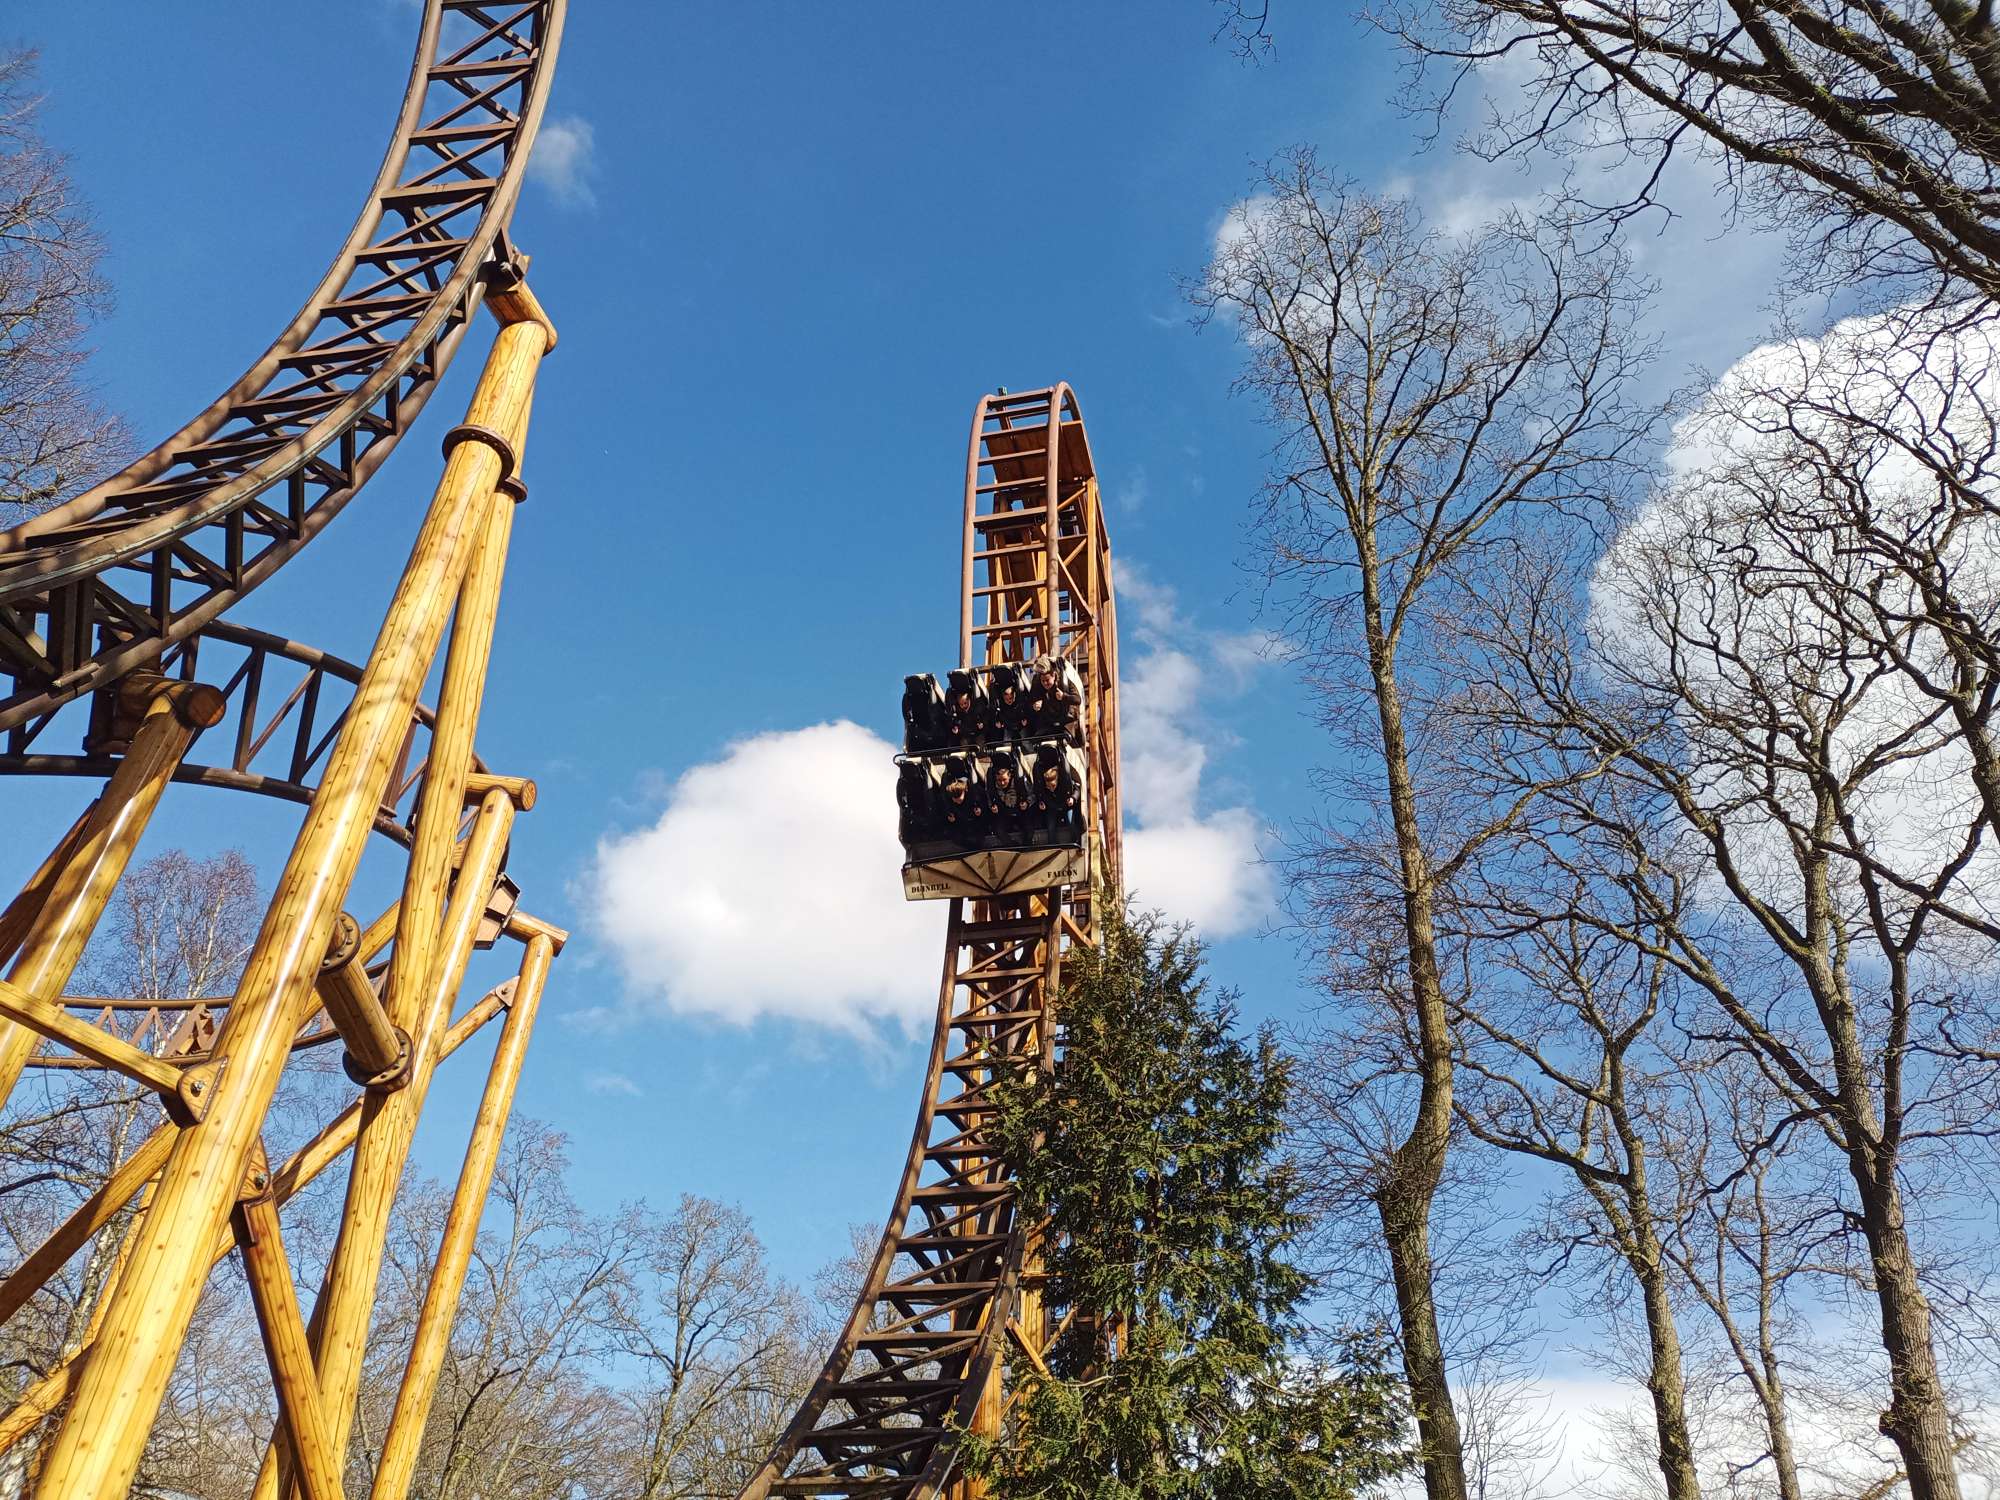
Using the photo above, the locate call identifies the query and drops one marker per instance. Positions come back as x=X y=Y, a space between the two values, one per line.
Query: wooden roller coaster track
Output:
x=955 y=1282
x=116 y=663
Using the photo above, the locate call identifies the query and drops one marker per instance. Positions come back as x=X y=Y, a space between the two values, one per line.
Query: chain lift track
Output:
x=118 y=596
x=956 y=1274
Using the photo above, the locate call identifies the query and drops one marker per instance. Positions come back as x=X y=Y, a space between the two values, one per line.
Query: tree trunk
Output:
x=1414 y=1170
x=1771 y=1395
x=1664 y=1381
x=1916 y=1421
x=1406 y=1229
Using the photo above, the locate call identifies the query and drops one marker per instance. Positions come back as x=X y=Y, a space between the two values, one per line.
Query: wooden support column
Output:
x=387 y=1124
x=22 y=911
x=170 y=715
x=405 y=1433
x=424 y=974
x=96 y=1449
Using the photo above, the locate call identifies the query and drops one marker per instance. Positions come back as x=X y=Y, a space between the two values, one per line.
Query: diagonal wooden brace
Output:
x=299 y=1403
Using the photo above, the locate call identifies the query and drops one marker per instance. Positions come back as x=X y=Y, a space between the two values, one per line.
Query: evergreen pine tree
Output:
x=1151 y=1151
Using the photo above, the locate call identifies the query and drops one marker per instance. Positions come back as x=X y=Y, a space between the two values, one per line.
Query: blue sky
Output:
x=788 y=246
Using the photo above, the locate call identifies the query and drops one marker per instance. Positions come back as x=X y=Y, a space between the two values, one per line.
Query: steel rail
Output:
x=106 y=582
x=919 y=1358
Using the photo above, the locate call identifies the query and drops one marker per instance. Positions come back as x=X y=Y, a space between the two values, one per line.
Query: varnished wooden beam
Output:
x=284 y=1333
x=58 y=1025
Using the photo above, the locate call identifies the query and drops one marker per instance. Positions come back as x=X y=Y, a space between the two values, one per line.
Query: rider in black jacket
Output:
x=1007 y=709
x=1056 y=795
x=961 y=806
x=1053 y=706
x=1008 y=796
x=964 y=711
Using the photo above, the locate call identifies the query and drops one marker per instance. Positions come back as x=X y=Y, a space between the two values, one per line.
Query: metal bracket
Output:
x=472 y=432
x=389 y=1079
x=256 y=1184
x=188 y=1104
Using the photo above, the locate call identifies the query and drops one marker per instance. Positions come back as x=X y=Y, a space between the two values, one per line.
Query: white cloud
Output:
x=612 y=1083
x=1862 y=400
x=1203 y=870
x=1201 y=867
x=767 y=886
x=1163 y=761
x=1241 y=221
x=565 y=160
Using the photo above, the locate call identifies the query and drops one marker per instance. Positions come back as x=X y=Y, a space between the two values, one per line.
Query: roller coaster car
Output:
x=977 y=825
x=980 y=708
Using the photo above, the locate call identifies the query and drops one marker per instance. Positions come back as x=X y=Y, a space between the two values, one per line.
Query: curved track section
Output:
x=106 y=582
x=284 y=704
x=954 y=1278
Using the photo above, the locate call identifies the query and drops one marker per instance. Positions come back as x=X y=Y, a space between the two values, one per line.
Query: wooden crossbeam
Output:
x=58 y=1025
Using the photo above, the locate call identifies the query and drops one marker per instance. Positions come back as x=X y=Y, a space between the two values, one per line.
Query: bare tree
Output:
x=723 y=1347
x=837 y=1284
x=1431 y=396
x=1561 y=1067
x=177 y=930
x=1865 y=128
x=519 y=1411
x=54 y=434
x=1743 y=1241
x=1358 y=1064
x=1792 y=768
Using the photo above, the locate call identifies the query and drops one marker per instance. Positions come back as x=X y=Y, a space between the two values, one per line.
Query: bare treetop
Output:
x=55 y=436
x=1424 y=385
x=1868 y=129
x=1438 y=398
